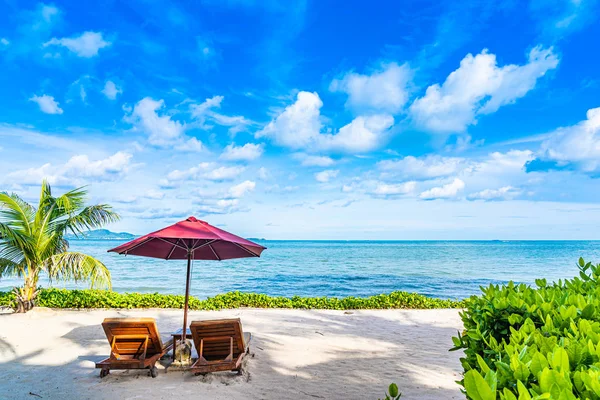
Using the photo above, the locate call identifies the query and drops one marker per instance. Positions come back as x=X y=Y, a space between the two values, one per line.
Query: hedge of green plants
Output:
x=63 y=298
x=522 y=342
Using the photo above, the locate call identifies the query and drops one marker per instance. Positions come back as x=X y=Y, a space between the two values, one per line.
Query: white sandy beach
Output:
x=296 y=354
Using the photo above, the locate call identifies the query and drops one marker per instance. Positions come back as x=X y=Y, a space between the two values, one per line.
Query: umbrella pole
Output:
x=187 y=297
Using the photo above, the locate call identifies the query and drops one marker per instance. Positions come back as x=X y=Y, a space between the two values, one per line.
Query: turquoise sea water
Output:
x=447 y=269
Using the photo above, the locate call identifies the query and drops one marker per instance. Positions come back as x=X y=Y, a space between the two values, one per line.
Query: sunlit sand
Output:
x=295 y=354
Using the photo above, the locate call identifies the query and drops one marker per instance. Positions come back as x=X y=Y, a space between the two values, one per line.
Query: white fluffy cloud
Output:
x=498 y=163
x=4 y=41
x=430 y=166
x=241 y=189
x=205 y=112
x=384 y=189
x=263 y=173
x=77 y=171
x=161 y=129
x=218 y=206
x=327 y=175
x=500 y=171
x=385 y=90
x=154 y=194
x=200 y=110
x=503 y=193
x=191 y=145
x=191 y=173
x=203 y=171
x=363 y=134
x=47 y=104
x=111 y=90
x=49 y=12
x=299 y=127
x=314 y=161
x=224 y=173
x=576 y=146
x=448 y=191
x=479 y=86
x=85 y=45
x=497 y=170
x=247 y=152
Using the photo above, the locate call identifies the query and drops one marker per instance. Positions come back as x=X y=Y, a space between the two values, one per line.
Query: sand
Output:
x=295 y=354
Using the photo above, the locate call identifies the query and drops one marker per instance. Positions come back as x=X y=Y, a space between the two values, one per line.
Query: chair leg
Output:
x=104 y=372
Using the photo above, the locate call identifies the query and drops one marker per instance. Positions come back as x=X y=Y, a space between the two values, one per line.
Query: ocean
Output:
x=444 y=269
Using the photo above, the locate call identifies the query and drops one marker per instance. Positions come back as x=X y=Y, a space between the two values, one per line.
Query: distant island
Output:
x=101 y=234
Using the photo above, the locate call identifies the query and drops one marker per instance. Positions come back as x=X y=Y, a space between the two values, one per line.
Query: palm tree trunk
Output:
x=26 y=296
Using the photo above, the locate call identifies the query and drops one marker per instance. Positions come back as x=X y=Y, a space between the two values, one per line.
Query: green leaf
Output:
x=541 y=283
x=537 y=364
x=560 y=360
x=477 y=388
x=482 y=365
x=588 y=312
x=508 y=395
x=515 y=319
x=523 y=392
x=521 y=372
x=546 y=380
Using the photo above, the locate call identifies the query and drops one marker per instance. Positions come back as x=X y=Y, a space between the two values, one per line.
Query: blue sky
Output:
x=311 y=120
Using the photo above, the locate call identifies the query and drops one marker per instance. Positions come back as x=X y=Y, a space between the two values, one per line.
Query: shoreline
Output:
x=296 y=354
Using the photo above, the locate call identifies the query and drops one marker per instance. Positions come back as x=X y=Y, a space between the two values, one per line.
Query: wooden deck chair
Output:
x=221 y=345
x=134 y=344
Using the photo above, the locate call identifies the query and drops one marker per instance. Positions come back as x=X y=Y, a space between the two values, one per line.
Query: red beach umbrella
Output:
x=189 y=240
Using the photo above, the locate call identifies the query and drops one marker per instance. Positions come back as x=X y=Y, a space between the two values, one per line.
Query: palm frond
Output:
x=48 y=244
x=53 y=216
x=72 y=201
x=91 y=217
x=52 y=243
x=46 y=211
x=10 y=268
x=14 y=244
x=77 y=267
x=12 y=253
x=16 y=212
x=45 y=198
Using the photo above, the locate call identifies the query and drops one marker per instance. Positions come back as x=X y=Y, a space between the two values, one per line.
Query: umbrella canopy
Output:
x=194 y=238
x=189 y=240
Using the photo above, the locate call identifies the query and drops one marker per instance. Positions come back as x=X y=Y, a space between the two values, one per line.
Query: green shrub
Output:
x=525 y=343
x=63 y=298
x=7 y=299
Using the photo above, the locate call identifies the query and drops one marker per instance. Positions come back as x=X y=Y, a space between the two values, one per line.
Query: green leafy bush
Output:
x=522 y=342
x=63 y=298
x=7 y=299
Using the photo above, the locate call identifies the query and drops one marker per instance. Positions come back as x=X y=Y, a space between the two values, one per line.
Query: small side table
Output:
x=177 y=337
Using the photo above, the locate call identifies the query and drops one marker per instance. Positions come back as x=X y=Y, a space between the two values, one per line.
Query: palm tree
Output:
x=32 y=240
